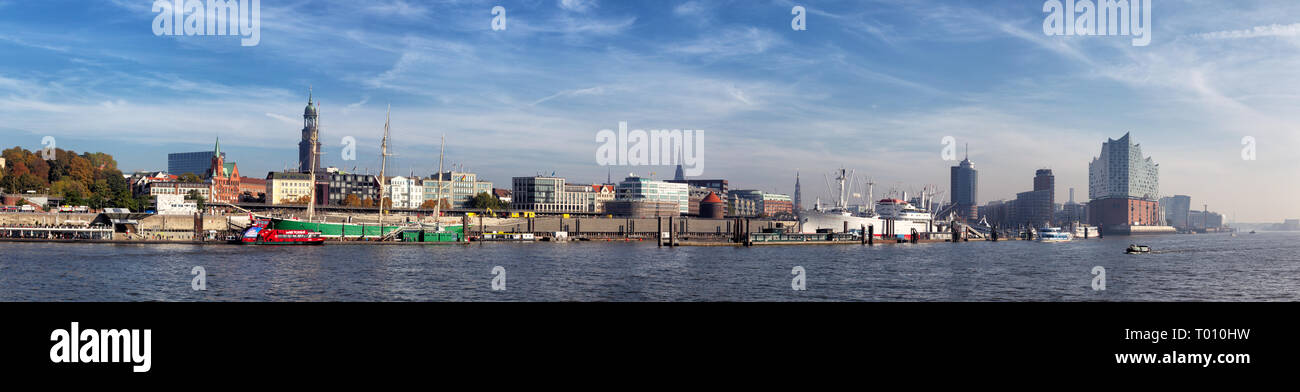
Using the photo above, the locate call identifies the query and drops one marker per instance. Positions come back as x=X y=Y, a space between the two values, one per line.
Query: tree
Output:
x=22 y=183
x=368 y=202
x=484 y=200
x=430 y=204
x=79 y=169
x=190 y=177
x=67 y=187
x=198 y=198
x=352 y=201
x=100 y=161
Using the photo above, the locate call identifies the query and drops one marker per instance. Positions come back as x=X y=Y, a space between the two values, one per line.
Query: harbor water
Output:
x=1205 y=267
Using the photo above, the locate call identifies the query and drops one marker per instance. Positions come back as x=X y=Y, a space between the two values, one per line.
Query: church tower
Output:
x=309 y=147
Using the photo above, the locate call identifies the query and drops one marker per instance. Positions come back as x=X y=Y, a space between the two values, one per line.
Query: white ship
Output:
x=1053 y=234
x=891 y=218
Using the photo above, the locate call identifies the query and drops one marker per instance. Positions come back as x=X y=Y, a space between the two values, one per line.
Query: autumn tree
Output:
x=351 y=200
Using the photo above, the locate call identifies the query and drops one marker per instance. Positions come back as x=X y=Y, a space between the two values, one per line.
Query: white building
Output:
x=175 y=205
x=637 y=188
x=406 y=192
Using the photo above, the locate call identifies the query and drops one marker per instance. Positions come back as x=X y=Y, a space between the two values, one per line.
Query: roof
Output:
x=712 y=198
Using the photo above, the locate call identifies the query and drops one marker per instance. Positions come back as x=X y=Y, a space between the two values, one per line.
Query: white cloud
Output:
x=577 y=5
x=1273 y=30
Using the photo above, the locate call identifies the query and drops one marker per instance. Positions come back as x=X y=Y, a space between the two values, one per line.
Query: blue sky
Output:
x=870 y=85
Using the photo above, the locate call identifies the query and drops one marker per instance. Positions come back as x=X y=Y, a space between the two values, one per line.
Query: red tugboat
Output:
x=260 y=234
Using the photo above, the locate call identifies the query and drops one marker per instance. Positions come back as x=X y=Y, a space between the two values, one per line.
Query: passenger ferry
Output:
x=261 y=234
x=1053 y=234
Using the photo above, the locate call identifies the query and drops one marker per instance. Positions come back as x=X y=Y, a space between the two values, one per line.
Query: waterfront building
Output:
x=1176 y=210
x=542 y=194
x=287 y=188
x=766 y=203
x=642 y=208
x=639 y=188
x=1123 y=185
x=964 y=184
x=224 y=177
x=138 y=180
x=175 y=205
x=741 y=207
x=712 y=207
x=252 y=189
x=309 y=147
x=591 y=198
x=339 y=185
x=457 y=188
x=196 y=163
x=720 y=186
x=1204 y=220
x=1032 y=209
x=998 y=213
x=156 y=188
x=1044 y=180
x=1072 y=211
x=406 y=192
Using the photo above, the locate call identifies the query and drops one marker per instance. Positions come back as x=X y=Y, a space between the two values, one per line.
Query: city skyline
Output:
x=871 y=85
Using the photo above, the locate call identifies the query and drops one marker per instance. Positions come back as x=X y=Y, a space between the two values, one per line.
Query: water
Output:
x=1214 y=267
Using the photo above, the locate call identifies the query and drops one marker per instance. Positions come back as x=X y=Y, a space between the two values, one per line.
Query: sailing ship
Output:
x=381 y=231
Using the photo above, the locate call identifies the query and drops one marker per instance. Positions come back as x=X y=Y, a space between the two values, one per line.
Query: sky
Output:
x=872 y=85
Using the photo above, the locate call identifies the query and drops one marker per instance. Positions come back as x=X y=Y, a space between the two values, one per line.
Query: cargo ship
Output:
x=890 y=218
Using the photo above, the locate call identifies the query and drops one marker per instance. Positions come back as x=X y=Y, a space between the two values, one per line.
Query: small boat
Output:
x=1137 y=249
x=1252 y=232
x=1053 y=234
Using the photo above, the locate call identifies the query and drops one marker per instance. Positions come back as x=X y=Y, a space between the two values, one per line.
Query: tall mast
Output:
x=315 y=135
x=383 y=167
x=437 y=198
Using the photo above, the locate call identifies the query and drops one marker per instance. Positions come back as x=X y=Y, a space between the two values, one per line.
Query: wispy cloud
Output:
x=1273 y=30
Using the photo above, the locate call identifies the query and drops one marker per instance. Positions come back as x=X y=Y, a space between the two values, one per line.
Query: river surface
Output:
x=1208 y=267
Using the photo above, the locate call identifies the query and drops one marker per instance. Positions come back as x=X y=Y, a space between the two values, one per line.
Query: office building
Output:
x=339 y=185
x=457 y=188
x=1176 y=210
x=964 y=184
x=196 y=163
x=639 y=188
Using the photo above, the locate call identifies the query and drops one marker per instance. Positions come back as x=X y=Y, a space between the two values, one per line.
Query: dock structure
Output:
x=57 y=232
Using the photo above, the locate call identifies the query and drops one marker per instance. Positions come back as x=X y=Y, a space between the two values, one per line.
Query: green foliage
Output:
x=190 y=177
x=89 y=179
x=198 y=199
x=484 y=200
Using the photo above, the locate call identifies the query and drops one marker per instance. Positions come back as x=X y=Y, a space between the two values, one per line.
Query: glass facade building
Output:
x=191 y=162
